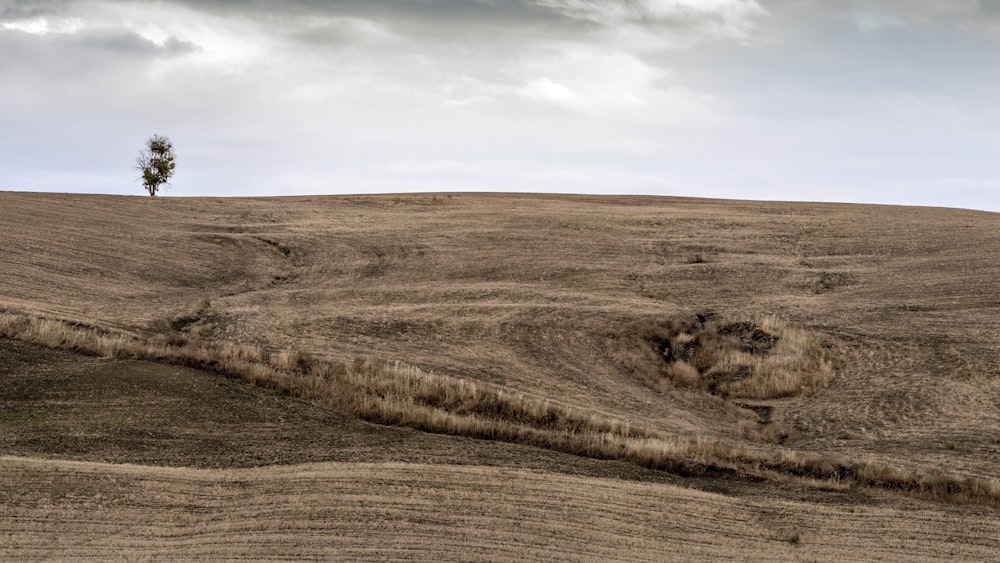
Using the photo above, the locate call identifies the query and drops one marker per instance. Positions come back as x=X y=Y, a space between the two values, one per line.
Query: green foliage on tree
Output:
x=155 y=163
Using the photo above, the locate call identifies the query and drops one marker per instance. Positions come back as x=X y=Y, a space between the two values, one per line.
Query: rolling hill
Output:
x=497 y=376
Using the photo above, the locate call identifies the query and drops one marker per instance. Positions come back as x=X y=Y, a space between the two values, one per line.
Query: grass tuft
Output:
x=757 y=359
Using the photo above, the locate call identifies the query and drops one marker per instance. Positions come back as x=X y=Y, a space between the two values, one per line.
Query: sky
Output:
x=894 y=101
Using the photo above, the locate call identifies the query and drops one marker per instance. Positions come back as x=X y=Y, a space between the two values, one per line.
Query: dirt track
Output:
x=390 y=511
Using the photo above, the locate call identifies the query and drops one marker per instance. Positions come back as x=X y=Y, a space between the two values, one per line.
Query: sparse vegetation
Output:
x=527 y=322
x=756 y=359
x=399 y=394
x=17 y=414
x=697 y=258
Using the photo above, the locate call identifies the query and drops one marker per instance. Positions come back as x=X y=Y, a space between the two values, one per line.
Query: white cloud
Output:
x=871 y=18
x=712 y=97
x=43 y=25
x=975 y=16
x=228 y=43
x=590 y=81
x=225 y=42
x=321 y=30
x=672 y=20
x=544 y=90
x=610 y=11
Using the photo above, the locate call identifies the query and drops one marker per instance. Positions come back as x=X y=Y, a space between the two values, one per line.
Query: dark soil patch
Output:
x=764 y=412
x=753 y=339
x=64 y=405
x=703 y=343
x=828 y=282
x=142 y=412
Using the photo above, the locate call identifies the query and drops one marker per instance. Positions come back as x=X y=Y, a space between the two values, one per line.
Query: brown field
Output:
x=497 y=376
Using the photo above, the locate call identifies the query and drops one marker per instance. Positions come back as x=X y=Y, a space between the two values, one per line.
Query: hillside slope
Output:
x=389 y=511
x=556 y=300
x=523 y=291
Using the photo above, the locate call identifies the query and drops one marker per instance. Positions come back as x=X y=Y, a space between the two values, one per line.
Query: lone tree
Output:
x=155 y=163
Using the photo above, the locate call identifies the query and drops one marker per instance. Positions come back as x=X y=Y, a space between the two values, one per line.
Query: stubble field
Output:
x=563 y=377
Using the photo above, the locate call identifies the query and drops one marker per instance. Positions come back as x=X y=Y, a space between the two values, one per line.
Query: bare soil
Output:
x=437 y=512
x=56 y=404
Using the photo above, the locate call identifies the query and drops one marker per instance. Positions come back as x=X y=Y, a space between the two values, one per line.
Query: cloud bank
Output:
x=887 y=101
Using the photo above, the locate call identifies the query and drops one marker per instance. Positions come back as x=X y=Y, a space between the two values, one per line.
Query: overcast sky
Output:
x=894 y=101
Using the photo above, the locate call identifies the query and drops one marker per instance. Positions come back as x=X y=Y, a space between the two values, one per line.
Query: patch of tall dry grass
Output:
x=763 y=358
x=400 y=394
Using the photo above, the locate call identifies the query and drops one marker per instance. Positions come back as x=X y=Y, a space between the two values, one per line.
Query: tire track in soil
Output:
x=378 y=511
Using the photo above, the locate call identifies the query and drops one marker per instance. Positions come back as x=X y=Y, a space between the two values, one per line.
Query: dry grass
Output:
x=394 y=511
x=757 y=359
x=887 y=319
x=400 y=394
